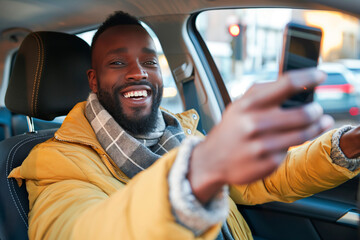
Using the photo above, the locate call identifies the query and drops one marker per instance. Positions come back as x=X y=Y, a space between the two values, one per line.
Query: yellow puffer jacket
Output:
x=77 y=192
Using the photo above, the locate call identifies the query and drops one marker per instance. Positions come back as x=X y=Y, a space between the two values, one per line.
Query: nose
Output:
x=136 y=72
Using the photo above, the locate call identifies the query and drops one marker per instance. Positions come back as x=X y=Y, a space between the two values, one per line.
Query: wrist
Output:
x=188 y=211
x=205 y=177
x=349 y=142
x=343 y=152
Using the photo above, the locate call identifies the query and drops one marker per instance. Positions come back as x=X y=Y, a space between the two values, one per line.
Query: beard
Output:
x=136 y=125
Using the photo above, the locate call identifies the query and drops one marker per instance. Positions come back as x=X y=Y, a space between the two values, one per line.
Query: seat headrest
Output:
x=49 y=75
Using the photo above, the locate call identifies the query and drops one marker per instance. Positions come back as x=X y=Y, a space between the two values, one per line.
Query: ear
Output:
x=92 y=80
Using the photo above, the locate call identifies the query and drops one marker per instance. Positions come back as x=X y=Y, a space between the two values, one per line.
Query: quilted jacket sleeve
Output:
x=307 y=170
x=74 y=196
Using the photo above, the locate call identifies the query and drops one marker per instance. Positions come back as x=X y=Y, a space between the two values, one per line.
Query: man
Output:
x=119 y=167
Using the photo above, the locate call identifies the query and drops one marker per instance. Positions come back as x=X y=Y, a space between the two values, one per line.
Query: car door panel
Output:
x=317 y=217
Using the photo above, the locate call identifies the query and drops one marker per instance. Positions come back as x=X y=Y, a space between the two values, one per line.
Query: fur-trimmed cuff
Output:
x=337 y=155
x=189 y=212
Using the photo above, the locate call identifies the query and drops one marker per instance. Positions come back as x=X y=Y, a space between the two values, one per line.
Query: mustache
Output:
x=141 y=82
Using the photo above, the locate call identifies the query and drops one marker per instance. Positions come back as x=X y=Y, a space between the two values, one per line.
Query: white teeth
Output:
x=141 y=93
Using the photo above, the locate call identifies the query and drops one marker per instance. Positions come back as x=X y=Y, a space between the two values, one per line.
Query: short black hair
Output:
x=115 y=19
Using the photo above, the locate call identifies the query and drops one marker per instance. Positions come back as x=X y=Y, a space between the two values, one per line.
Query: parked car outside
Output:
x=338 y=94
x=353 y=65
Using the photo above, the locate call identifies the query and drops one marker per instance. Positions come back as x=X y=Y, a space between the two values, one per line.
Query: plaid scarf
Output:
x=132 y=153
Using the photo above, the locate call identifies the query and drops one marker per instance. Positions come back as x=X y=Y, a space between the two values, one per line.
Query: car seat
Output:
x=48 y=79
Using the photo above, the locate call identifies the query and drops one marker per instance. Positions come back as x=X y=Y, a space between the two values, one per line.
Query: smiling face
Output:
x=126 y=77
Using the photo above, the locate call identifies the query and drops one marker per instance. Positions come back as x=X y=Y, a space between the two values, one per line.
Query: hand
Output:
x=350 y=143
x=255 y=133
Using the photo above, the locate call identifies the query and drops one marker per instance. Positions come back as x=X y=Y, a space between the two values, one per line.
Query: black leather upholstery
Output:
x=49 y=75
x=14 y=205
x=48 y=79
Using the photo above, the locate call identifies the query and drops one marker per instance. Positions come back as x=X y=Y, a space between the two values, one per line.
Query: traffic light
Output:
x=237 y=42
x=234 y=30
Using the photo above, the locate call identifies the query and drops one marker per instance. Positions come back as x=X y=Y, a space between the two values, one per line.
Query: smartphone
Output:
x=301 y=49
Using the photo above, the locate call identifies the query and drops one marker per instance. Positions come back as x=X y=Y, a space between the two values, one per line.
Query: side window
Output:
x=171 y=98
x=246 y=45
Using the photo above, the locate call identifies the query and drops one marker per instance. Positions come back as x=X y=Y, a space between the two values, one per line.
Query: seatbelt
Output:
x=185 y=75
x=191 y=99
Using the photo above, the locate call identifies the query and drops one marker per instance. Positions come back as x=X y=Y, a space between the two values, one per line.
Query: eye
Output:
x=150 y=62
x=117 y=63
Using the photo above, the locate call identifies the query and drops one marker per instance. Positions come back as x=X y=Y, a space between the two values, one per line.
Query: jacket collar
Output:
x=77 y=129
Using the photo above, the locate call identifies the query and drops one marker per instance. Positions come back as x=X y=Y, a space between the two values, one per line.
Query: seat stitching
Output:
x=36 y=74
x=7 y=174
x=13 y=185
x=18 y=145
x=42 y=50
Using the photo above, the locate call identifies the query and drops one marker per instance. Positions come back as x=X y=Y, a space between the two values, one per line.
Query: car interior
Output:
x=43 y=61
x=41 y=97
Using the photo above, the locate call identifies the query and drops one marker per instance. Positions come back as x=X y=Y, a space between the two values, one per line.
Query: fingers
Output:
x=275 y=93
x=265 y=154
x=255 y=132
x=278 y=119
x=295 y=118
x=258 y=169
x=274 y=143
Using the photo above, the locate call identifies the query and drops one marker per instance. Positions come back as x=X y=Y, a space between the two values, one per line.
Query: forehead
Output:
x=123 y=36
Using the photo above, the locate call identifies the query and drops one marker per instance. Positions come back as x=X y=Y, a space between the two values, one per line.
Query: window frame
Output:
x=213 y=73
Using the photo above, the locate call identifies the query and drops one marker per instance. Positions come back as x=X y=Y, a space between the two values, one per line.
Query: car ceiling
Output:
x=67 y=15
x=19 y=17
